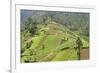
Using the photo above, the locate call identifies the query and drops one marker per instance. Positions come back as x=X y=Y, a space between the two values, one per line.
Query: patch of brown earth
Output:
x=84 y=54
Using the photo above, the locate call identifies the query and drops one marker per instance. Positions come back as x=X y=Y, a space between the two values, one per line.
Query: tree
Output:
x=32 y=25
x=79 y=46
x=33 y=28
x=45 y=20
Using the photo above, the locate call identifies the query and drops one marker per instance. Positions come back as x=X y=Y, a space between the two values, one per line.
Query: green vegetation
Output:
x=52 y=37
x=69 y=54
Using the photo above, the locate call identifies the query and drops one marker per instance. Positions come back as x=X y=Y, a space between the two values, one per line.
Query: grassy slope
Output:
x=69 y=54
x=52 y=41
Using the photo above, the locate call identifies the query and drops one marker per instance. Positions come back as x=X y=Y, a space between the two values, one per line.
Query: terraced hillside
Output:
x=51 y=42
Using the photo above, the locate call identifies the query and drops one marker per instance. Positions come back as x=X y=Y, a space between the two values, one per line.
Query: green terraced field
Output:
x=52 y=45
x=48 y=36
x=69 y=54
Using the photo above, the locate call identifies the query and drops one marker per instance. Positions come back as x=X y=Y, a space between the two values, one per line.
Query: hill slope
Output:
x=53 y=42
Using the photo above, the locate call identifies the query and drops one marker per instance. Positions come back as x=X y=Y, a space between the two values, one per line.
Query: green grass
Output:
x=85 y=43
x=51 y=42
x=65 y=55
x=36 y=41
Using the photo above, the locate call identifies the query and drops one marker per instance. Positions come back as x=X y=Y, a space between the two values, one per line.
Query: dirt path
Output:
x=84 y=54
